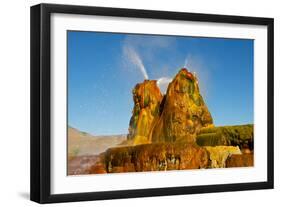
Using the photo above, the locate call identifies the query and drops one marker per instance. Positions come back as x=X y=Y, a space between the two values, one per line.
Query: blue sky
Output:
x=103 y=68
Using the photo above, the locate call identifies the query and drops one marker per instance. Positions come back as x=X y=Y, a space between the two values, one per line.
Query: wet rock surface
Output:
x=219 y=154
x=169 y=156
x=243 y=160
x=155 y=157
x=147 y=98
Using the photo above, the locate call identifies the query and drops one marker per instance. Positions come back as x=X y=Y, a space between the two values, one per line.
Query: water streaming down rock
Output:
x=147 y=98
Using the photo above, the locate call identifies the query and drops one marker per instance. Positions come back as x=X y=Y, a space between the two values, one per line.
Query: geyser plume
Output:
x=135 y=59
x=185 y=62
x=163 y=83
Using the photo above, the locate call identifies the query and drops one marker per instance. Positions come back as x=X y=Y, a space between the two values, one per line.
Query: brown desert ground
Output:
x=84 y=148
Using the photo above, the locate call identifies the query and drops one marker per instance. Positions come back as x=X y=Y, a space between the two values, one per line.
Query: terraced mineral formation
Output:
x=176 y=132
x=154 y=157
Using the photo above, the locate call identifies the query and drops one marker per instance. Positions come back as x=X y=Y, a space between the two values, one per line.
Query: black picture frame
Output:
x=41 y=99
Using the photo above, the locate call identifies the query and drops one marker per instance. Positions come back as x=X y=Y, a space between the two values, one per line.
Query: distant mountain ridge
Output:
x=82 y=143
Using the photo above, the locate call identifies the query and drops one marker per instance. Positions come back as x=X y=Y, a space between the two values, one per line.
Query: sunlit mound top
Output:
x=163 y=82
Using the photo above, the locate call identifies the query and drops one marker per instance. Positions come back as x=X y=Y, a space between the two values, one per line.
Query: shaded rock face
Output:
x=243 y=160
x=147 y=98
x=183 y=111
x=155 y=157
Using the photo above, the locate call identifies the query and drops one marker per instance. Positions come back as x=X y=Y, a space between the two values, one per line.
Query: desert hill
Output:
x=84 y=149
x=82 y=143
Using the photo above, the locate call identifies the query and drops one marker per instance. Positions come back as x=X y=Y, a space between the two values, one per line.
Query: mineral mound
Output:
x=154 y=157
x=175 y=131
x=183 y=112
x=147 y=98
x=243 y=160
x=242 y=136
x=177 y=116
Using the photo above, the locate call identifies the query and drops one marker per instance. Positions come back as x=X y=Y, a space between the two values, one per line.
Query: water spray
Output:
x=136 y=60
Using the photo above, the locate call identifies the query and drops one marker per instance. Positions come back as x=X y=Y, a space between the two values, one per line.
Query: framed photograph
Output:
x=132 y=103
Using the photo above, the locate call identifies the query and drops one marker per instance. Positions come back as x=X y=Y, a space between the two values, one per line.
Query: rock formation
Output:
x=243 y=160
x=183 y=111
x=176 y=132
x=219 y=155
x=178 y=116
x=240 y=135
x=147 y=98
x=155 y=157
